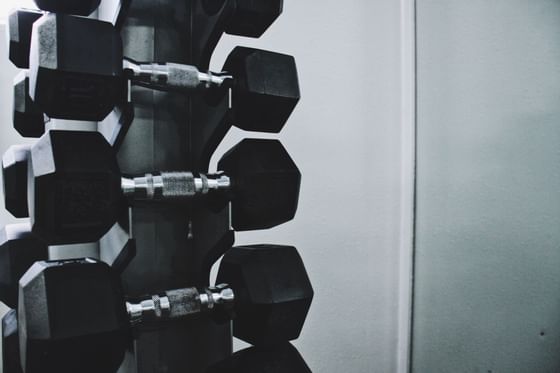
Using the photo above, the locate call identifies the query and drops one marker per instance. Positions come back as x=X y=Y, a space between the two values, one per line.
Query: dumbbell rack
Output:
x=170 y=246
x=174 y=248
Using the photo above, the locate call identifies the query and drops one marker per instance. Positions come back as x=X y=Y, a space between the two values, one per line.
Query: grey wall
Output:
x=487 y=282
x=346 y=138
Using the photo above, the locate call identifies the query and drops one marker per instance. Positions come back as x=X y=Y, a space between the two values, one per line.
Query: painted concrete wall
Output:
x=487 y=281
x=346 y=138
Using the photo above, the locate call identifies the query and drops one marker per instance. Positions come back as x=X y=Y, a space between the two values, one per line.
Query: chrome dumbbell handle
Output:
x=166 y=186
x=173 y=76
x=181 y=303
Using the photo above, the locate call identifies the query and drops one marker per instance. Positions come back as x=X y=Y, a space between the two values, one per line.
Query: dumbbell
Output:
x=77 y=190
x=10 y=343
x=14 y=179
x=75 y=311
x=246 y=17
x=28 y=119
x=281 y=358
x=20 y=25
x=77 y=7
x=89 y=78
x=29 y=123
x=20 y=248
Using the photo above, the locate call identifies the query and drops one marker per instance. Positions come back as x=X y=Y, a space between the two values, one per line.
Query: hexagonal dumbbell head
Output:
x=20 y=24
x=28 y=119
x=266 y=88
x=77 y=7
x=10 y=343
x=73 y=77
x=61 y=336
x=272 y=290
x=280 y=358
x=265 y=184
x=252 y=18
x=116 y=125
x=19 y=249
x=247 y=17
x=14 y=179
x=75 y=186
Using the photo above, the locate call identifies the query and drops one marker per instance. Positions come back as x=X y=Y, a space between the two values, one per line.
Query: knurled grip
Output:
x=183 y=76
x=183 y=302
x=158 y=312
x=177 y=185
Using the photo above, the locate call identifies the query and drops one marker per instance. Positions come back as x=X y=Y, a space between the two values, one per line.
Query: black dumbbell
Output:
x=246 y=17
x=29 y=122
x=28 y=119
x=77 y=7
x=116 y=125
x=16 y=160
x=73 y=309
x=89 y=79
x=10 y=343
x=19 y=249
x=20 y=24
x=281 y=358
x=77 y=191
x=14 y=179
x=249 y=18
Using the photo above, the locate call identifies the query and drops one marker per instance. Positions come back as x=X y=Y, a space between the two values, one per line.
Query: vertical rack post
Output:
x=176 y=246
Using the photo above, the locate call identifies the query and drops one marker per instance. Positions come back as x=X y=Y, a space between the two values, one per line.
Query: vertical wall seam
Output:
x=408 y=184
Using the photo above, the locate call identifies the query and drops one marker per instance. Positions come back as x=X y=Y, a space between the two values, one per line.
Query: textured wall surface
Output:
x=345 y=136
x=487 y=283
